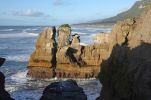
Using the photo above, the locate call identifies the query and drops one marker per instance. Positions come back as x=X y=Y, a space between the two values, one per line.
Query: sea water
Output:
x=16 y=45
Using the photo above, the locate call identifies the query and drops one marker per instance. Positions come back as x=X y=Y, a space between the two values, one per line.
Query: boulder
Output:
x=43 y=60
x=4 y=95
x=64 y=90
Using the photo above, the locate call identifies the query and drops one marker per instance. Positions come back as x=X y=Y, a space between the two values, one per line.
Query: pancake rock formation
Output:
x=43 y=61
x=126 y=74
x=65 y=58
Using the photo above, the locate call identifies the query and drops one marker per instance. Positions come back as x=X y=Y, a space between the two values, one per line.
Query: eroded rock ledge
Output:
x=65 y=58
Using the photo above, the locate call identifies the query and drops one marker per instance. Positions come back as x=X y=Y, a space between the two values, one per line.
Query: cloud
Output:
x=58 y=2
x=30 y=13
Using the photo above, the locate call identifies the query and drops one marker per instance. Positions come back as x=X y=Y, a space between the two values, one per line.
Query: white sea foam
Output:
x=27 y=95
x=7 y=30
x=84 y=44
x=17 y=58
x=30 y=34
x=19 y=77
x=15 y=35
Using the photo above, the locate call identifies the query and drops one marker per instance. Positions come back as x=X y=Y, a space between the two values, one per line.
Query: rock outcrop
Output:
x=126 y=74
x=64 y=33
x=43 y=60
x=64 y=90
x=66 y=58
x=4 y=95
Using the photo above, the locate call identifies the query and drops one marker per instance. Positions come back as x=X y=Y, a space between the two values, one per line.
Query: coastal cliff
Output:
x=65 y=58
x=126 y=74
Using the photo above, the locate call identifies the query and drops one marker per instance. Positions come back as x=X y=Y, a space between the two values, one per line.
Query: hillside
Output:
x=134 y=11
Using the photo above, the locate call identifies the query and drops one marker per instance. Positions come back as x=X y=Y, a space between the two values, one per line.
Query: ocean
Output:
x=16 y=45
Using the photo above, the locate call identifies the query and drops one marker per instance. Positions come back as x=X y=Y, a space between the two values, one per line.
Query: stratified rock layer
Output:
x=126 y=74
x=43 y=60
x=65 y=90
x=66 y=58
x=64 y=33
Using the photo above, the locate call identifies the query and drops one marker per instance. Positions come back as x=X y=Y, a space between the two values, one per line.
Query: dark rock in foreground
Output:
x=4 y=95
x=65 y=90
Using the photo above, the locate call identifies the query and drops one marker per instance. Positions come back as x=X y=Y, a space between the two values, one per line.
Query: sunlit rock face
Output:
x=64 y=32
x=43 y=60
x=126 y=74
x=66 y=58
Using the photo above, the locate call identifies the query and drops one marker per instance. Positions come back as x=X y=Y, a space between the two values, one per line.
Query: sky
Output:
x=56 y=12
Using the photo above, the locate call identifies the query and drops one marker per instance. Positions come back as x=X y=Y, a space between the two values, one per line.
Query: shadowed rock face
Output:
x=4 y=95
x=65 y=59
x=126 y=74
x=65 y=90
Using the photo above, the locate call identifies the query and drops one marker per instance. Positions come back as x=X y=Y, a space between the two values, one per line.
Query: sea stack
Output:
x=66 y=58
x=43 y=60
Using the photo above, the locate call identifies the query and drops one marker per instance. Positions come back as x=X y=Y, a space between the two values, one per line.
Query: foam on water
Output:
x=84 y=44
x=17 y=58
x=27 y=95
x=16 y=81
x=23 y=89
x=5 y=30
x=15 y=35
x=19 y=77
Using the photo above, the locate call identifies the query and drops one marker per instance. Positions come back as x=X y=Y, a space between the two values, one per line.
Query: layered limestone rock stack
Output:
x=43 y=60
x=4 y=95
x=66 y=58
x=126 y=74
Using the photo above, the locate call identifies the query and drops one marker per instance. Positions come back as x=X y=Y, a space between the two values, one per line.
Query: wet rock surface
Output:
x=65 y=90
